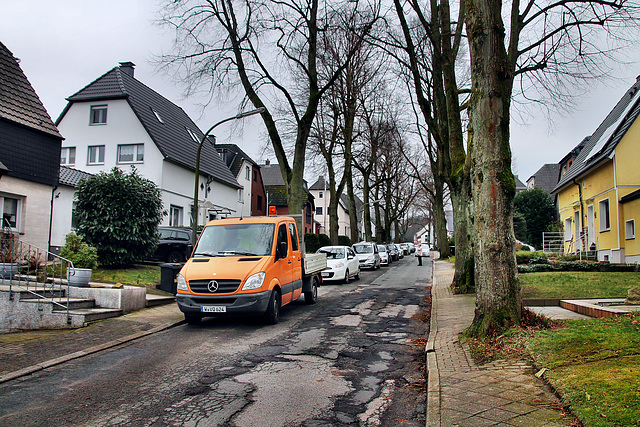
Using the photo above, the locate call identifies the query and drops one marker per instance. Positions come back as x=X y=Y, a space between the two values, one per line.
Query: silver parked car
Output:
x=367 y=253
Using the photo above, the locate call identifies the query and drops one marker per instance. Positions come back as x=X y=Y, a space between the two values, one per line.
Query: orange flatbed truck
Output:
x=247 y=266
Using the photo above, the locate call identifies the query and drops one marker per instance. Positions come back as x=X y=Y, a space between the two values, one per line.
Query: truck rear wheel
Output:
x=311 y=296
x=272 y=315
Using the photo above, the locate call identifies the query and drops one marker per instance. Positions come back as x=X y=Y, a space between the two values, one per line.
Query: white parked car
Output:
x=385 y=257
x=367 y=253
x=342 y=263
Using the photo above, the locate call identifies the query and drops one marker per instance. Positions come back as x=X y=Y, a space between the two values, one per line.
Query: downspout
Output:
x=581 y=210
x=51 y=216
x=615 y=184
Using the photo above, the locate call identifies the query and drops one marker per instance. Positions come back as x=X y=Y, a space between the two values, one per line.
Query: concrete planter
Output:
x=8 y=270
x=79 y=276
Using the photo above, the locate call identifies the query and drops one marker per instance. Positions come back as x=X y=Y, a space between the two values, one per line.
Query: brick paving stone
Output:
x=463 y=393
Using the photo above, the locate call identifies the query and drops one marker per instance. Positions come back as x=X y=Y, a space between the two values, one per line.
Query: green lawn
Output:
x=578 y=284
x=147 y=276
x=594 y=365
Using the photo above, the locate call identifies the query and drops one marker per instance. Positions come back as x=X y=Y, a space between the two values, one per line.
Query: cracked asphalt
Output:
x=355 y=358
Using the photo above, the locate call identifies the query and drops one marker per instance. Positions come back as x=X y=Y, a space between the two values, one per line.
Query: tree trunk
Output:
x=498 y=299
x=463 y=278
x=353 y=209
x=440 y=223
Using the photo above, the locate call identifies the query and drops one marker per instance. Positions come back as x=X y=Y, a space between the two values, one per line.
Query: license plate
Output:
x=325 y=274
x=213 y=309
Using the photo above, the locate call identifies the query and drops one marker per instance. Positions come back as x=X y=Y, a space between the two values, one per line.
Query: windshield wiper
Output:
x=208 y=254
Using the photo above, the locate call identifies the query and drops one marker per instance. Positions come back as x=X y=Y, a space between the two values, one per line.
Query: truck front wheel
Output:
x=272 y=315
x=311 y=296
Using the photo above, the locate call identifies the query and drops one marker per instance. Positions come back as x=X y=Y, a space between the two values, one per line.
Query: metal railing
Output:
x=553 y=242
x=34 y=270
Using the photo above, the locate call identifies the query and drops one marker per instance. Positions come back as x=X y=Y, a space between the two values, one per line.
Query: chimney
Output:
x=267 y=162
x=127 y=67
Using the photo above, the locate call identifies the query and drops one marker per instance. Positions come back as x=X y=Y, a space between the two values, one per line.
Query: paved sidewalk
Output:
x=22 y=353
x=462 y=393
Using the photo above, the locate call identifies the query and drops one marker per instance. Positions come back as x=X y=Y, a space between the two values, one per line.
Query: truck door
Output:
x=284 y=263
x=296 y=262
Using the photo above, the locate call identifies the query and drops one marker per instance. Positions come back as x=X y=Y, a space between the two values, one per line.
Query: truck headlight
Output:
x=254 y=282
x=182 y=283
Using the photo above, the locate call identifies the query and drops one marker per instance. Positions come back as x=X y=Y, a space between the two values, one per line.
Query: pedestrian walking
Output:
x=419 y=254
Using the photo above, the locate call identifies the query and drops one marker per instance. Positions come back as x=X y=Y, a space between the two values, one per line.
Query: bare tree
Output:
x=549 y=42
x=261 y=46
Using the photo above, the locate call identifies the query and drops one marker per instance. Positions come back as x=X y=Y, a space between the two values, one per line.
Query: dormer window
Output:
x=98 y=115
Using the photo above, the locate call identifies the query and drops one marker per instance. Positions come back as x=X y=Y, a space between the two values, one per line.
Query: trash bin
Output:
x=168 y=274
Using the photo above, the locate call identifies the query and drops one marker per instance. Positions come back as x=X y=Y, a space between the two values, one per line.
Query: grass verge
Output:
x=578 y=284
x=147 y=276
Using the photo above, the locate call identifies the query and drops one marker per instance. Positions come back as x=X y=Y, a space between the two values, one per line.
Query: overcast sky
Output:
x=64 y=45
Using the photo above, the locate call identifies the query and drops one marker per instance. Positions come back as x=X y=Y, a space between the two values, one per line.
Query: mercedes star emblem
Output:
x=212 y=286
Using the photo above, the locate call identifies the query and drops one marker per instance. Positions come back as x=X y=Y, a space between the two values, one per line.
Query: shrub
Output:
x=523 y=257
x=534 y=261
x=324 y=240
x=344 y=241
x=311 y=242
x=119 y=214
x=79 y=253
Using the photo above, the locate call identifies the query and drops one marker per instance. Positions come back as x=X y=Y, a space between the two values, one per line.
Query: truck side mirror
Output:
x=281 y=250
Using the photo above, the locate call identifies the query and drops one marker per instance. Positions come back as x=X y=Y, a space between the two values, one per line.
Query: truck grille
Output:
x=224 y=286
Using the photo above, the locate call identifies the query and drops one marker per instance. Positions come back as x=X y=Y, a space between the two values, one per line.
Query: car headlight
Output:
x=182 y=283
x=370 y=258
x=339 y=265
x=254 y=282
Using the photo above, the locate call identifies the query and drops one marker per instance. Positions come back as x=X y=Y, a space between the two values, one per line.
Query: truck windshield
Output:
x=236 y=240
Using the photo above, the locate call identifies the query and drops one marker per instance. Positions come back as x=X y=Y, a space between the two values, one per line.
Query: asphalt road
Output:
x=354 y=358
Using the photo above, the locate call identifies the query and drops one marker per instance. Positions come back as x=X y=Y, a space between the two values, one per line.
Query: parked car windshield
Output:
x=236 y=239
x=363 y=249
x=382 y=248
x=332 y=253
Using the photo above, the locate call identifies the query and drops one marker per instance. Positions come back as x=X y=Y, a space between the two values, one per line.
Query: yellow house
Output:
x=599 y=187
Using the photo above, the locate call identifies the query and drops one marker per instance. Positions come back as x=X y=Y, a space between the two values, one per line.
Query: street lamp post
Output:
x=194 y=210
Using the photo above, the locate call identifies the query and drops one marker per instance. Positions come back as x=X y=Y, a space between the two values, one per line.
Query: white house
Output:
x=320 y=190
x=117 y=121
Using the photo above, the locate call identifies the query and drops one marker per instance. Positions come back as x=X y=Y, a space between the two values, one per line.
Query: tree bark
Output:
x=498 y=299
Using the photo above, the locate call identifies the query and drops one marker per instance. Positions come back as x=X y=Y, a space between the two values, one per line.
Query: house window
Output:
x=255 y=176
x=74 y=216
x=630 y=229
x=193 y=135
x=241 y=195
x=95 y=155
x=294 y=237
x=98 y=115
x=259 y=203
x=319 y=210
x=131 y=153
x=320 y=194
x=68 y=156
x=175 y=216
x=247 y=173
x=568 y=235
x=605 y=221
x=10 y=209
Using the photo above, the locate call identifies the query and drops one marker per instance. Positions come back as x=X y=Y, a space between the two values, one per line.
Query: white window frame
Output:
x=100 y=151
x=568 y=229
x=240 y=195
x=155 y=113
x=318 y=210
x=630 y=229
x=175 y=215
x=138 y=153
x=320 y=194
x=66 y=156
x=247 y=173
x=605 y=215
x=16 y=224
x=98 y=115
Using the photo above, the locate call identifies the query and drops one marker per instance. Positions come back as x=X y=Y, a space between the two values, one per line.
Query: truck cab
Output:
x=245 y=266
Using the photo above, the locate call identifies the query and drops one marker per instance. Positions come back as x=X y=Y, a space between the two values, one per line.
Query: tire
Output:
x=192 y=319
x=311 y=297
x=175 y=257
x=346 y=277
x=357 y=276
x=272 y=315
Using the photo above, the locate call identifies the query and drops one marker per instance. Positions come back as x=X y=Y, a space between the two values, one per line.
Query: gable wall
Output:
x=627 y=156
x=123 y=127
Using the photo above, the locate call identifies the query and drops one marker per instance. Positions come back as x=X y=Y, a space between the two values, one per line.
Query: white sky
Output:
x=64 y=45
